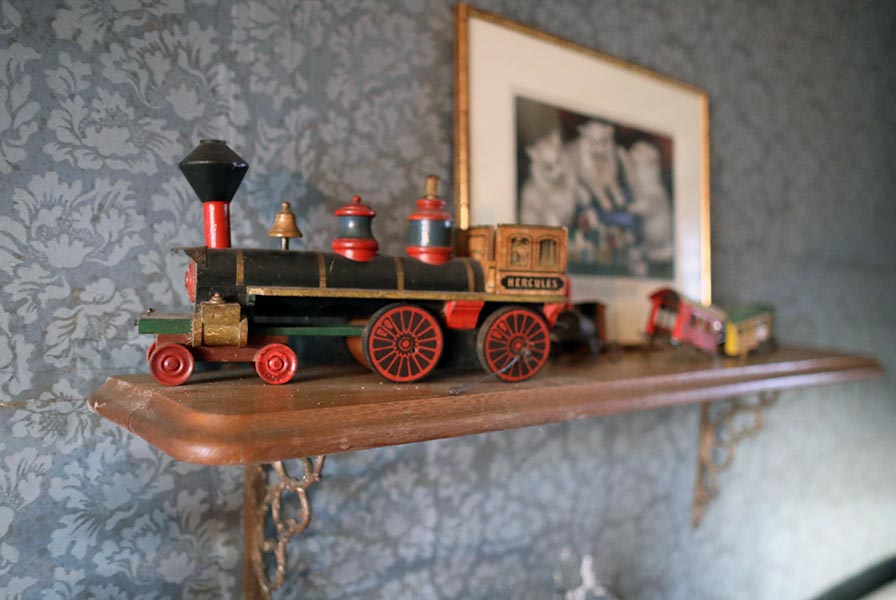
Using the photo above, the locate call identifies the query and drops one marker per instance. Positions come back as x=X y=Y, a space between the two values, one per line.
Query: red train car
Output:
x=664 y=305
x=684 y=321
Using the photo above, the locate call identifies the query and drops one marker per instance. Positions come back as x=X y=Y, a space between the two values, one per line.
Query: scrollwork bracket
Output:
x=723 y=426
x=267 y=487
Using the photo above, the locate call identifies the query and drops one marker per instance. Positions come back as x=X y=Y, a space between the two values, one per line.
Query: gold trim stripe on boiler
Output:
x=308 y=292
x=240 y=267
x=321 y=270
x=399 y=272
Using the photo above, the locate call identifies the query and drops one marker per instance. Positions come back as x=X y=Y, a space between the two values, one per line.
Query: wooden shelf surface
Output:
x=231 y=417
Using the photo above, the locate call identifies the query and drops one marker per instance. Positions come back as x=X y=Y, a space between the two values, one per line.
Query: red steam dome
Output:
x=354 y=236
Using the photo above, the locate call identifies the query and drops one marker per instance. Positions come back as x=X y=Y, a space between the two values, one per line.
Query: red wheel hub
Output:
x=276 y=363
x=172 y=364
x=403 y=343
x=513 y=343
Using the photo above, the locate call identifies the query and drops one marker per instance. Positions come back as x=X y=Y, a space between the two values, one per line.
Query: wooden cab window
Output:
x=548 y=253
x=520 y=251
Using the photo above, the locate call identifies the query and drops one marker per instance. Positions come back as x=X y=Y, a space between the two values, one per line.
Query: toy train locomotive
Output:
x=709 y=328
x=507 y=282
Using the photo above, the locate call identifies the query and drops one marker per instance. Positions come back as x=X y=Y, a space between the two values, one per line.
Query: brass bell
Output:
x=285 y=226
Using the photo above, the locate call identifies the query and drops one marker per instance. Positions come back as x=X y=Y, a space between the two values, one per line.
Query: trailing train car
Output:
x=708 y=328
x=507 y=282
x=749 y=328
x=702 y=327
x=664 y=304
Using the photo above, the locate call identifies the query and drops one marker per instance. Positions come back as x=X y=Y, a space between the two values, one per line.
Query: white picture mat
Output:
x=504 y=63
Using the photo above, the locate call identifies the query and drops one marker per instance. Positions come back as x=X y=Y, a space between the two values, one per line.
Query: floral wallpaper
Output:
x=98 y=101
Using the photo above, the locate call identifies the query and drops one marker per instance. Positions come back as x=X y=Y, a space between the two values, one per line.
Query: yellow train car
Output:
x=749 y=328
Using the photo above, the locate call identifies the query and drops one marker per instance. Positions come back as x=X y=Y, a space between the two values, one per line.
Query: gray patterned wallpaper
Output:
x=98 y=100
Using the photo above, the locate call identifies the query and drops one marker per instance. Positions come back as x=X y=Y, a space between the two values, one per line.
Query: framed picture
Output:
x=550 y=132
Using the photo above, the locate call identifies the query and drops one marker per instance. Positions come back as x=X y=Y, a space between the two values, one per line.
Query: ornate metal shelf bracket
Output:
x=723 y=425
x=267 y=489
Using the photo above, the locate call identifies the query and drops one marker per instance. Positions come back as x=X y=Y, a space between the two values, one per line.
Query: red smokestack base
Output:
x=217 y=224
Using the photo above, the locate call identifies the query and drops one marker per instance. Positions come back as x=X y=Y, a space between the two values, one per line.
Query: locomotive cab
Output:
x=520 y=259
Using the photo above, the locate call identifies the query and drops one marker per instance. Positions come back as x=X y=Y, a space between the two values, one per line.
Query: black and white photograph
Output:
x=553 y=133
x=608 y=183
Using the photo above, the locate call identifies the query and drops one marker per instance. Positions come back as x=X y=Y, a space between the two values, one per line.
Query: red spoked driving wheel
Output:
x=276 y=363
x=403 y=343
x=172 y=364
x=513 y=333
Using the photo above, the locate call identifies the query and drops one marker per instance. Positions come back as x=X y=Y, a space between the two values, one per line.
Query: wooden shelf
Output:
x=231 y=417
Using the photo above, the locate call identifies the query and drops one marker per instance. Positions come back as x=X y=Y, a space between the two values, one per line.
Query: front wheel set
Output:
x=173 y=364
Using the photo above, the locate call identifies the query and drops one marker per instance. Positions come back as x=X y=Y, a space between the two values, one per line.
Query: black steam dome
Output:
x=214 y=171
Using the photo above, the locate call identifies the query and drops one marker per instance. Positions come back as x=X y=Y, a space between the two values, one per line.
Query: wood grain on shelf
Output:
x=231 y=417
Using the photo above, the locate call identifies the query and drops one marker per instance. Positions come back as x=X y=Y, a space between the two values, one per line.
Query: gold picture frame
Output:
x=584 y=83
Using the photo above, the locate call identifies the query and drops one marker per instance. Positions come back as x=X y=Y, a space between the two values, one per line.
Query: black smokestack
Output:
x=214 y=171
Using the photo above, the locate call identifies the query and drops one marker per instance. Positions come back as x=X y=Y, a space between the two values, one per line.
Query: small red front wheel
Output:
x=172 y=364
x=276 y=363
